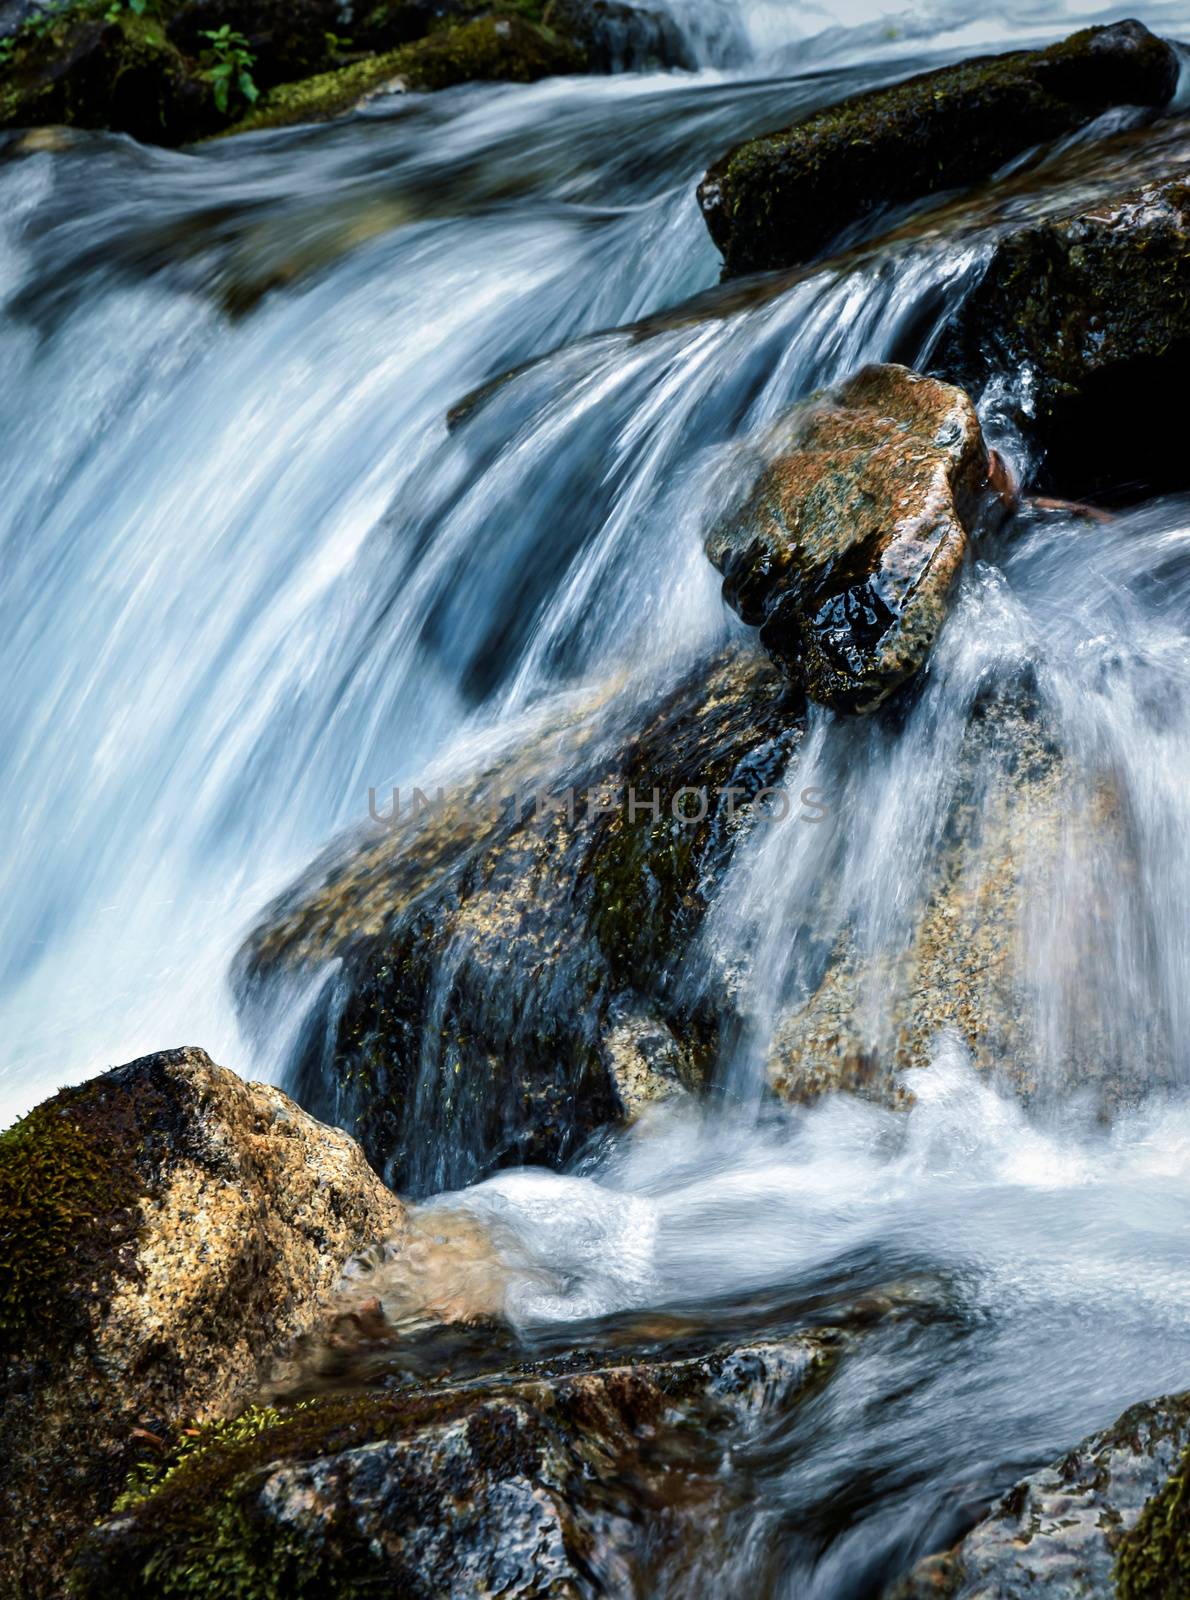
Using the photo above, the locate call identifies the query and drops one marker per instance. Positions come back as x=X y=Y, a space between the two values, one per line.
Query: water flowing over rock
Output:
x=1100 y=1521
x=567 y=1482
x=620 y=38
x=168 y=1230
x=505 y=972
x=845 y=551
x=1088 y=314
x=785 y=197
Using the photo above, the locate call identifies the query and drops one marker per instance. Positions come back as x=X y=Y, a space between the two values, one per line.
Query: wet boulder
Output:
x=167 y=1229
x=845 y=550
x=501 y=969
x=786 y=197
x=1087 y=316
x=579 y=1478
x=1109 y=1518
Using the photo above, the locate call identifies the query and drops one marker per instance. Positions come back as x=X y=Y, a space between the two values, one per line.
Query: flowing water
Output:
x=249 y=573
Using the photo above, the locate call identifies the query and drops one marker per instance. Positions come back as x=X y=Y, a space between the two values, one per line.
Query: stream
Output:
x=251 y=573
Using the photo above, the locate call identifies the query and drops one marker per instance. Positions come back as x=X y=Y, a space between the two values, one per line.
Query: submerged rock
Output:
x=1109 y=1518
x=845 y=551
x=785 y=197
x=167 y=1230
x=1088 y=314
x=505 y=971
x=567 y=1481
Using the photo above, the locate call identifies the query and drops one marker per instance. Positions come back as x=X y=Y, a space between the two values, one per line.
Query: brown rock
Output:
x=167 y=1229
x=846 y=548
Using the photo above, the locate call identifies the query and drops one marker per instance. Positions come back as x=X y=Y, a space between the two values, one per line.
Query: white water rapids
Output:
x=248 y=573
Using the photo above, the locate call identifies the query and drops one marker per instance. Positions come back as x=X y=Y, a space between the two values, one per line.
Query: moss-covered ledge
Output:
x=516 y=1484
x=784 y=198
x=502 y=48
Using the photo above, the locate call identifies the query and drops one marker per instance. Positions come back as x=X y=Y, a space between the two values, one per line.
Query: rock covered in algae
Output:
x=1109 y=1518
x=783 y=198
x=845 y=550
x=566 y=1481
x=167 y=1229
x=506 y=977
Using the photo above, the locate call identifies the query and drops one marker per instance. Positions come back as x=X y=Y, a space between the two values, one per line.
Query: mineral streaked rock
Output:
x=557 y=1481
x=845 y=551
x=782 y=198
x=1023 y=835
x=1065 y=1531
x=168 y=1229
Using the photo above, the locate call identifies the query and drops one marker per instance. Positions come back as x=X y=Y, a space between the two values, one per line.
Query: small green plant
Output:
x=232 y=71
x=139 y=7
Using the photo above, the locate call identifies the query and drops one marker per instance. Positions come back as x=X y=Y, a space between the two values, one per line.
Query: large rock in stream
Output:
x=1112 y=1517
x=568 y=1480
x=786 y=197
x=167 y=1230
x=845 y=551
x=1086 y=313
x=505 y=974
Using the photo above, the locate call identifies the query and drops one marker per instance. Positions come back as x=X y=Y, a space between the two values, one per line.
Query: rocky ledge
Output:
x=168 y=1230
x=176 y=71
x=561 y=1481
x=1089 y=311
x=786 y=197
x=1111 y=1517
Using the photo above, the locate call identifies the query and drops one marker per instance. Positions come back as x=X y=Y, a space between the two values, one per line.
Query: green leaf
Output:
x=248 y=89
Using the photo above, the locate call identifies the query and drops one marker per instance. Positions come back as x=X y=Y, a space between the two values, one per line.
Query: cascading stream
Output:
x=251 y=573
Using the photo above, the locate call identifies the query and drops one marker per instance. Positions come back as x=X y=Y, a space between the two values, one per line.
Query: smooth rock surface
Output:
x=786 y=197
x=845 y=550
x=168 y=1229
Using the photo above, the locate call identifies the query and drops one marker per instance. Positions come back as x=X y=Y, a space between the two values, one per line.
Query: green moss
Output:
x=783 y=198
x=504 y=48
x=1153 y=1558
x=195 y=1529
x=318 y=99
x=67 y=1199
x=86 y=69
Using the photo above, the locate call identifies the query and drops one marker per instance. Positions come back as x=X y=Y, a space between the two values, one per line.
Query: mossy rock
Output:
x=86 y=71
x=1153 y=1558
x=165 y=1227
x=503 y=48
x=518 y=1486
x=1088 y=316
x=1107 y=1518
x=489 y=961
x=785 y=197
